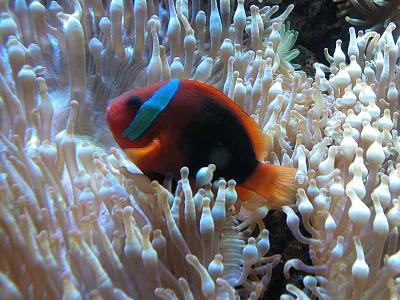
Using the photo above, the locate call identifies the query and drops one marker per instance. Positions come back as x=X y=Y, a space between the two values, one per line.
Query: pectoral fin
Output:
x=147 y=152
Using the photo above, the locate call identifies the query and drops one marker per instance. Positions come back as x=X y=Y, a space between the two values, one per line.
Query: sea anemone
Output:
x=78 y=213
x=79 y=220
x=373 y=15
x=350 y=205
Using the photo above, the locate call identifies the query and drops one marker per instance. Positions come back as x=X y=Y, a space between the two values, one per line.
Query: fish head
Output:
x=132 y=115
x=121 y=111
x=133 y=119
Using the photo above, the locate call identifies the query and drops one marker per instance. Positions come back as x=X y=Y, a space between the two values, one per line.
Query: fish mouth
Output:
x=106 y=115
x=111 y=113
x=112 y=119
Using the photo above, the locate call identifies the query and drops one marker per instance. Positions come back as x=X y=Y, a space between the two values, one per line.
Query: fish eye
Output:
x=134 y=102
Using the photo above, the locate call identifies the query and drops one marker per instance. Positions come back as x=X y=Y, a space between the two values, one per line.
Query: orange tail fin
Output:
x=272 y=185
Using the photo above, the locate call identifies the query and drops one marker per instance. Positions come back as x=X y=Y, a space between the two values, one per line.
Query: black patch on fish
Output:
x=217 y=136
x=134 y=102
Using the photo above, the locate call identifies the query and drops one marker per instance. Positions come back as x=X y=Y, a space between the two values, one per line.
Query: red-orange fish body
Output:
x=187 y=123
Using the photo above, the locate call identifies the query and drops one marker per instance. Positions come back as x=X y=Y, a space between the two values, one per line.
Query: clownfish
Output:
x=178 y=123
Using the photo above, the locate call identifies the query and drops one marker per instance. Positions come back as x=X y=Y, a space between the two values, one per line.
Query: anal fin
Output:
x=249 y=199
x=276 y=185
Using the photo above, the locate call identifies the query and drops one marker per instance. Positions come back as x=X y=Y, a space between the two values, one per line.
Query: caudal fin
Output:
x=272 y=185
